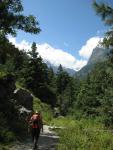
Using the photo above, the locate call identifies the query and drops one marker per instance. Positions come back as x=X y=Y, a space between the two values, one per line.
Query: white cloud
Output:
x=53 y=55
x=80 y=64
x=87 y=49
x=22 y=45
x=59 y=56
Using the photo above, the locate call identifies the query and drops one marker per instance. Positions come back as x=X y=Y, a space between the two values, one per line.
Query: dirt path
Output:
x=48 y=141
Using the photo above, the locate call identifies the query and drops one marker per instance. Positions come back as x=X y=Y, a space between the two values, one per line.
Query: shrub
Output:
x=6 y=136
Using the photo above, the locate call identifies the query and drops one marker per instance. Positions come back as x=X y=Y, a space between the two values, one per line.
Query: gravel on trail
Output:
x=47 y=141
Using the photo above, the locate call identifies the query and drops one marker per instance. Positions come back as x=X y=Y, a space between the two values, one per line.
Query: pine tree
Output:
x=34 y=70
x=11 y=18
x=65 y=90
x=62 y=79
x=106 y=13
x=36 y=77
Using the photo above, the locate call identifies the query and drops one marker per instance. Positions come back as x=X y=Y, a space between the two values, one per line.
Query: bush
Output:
x=6 y=136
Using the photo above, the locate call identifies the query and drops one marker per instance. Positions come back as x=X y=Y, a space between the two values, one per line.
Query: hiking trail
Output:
x=47 y=141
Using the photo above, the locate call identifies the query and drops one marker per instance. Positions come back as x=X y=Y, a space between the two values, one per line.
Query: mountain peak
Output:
x=99 y=54
x=71 y=72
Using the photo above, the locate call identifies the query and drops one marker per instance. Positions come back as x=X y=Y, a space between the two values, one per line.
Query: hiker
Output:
x=36 y=126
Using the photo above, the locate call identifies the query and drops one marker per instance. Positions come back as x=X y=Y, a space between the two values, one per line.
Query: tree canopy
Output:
x=106 y=13
x=11 y=18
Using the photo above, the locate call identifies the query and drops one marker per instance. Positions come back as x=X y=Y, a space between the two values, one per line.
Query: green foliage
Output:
x=11 y=18
x=11 y=65
x=62 y=80
x=34 y=70
x=3 y=128
x=7 y=136
x=2 y=71
x=11 y=126
x=33 y=53
x=45 y=109
x=62 y=121
x=106 y=13
x=65 y=90
x=36 y=104
x=95 y=96
x=84 y=134
x=6 y=49
x=87 y=98
x=35 y=75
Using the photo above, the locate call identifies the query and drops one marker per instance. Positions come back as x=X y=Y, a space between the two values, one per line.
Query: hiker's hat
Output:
x=36 y=112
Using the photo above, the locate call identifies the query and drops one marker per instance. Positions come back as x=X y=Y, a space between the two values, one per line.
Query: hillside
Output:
x=98 y=55
x=79 y=109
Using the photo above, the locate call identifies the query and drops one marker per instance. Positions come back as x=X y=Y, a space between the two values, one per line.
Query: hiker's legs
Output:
x=33 y=134
x=36 y=137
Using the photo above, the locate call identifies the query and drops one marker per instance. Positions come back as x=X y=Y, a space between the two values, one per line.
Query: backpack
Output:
x=35 y=120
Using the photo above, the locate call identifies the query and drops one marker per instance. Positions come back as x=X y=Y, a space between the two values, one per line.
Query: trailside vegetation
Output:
x=90 y=98
x=92 y=122
x=11 y=60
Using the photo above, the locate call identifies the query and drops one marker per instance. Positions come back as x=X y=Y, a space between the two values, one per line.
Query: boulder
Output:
x=24 y=110
x=24 y=98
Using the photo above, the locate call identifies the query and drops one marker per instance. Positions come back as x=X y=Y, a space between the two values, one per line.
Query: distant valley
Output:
x=98 y=55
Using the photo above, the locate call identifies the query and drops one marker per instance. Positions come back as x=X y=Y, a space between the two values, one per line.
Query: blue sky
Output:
x=68 y=27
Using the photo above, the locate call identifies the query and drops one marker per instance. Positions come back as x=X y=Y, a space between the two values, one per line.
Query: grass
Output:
x=2 y=74
x=20 y=86
x=4 y=147
x=83 y=135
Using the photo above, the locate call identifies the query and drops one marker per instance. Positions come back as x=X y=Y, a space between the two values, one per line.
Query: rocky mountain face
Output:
x=98 y=55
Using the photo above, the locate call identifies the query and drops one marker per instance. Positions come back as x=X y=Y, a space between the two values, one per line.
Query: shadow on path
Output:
x=47 y=141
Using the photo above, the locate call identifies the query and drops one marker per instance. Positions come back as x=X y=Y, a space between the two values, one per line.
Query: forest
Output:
x=81 y=99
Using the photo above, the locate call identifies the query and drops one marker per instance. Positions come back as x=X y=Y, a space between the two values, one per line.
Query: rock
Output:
x=56 y=112
x=24 y=110
x=24 y=98
x=24 y=113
